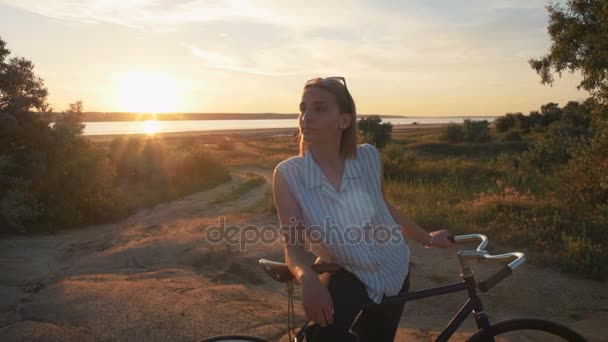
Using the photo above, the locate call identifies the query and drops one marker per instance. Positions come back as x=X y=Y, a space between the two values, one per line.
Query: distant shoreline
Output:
x=104 y=117
x=107 y=117
x=254 y=132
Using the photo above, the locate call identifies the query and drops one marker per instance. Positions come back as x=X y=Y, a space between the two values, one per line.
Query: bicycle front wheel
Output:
x=234 y=338
x=527 y=329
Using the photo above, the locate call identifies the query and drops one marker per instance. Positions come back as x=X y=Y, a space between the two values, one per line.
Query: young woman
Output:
x=333 y=194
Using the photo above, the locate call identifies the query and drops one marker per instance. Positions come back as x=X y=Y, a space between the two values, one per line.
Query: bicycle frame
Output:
x=472 y=305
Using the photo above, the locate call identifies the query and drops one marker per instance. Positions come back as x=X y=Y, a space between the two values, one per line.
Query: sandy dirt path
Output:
x=156 y=277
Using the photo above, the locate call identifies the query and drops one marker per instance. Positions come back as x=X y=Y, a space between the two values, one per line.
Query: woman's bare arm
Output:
x=316 y=299
x=413 y=231
x=289 y=212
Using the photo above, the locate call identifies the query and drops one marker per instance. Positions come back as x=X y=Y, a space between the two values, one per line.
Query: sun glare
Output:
x=151 y=127
x=142 y=91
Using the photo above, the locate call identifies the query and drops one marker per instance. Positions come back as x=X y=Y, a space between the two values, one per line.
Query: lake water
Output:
x=143 y=127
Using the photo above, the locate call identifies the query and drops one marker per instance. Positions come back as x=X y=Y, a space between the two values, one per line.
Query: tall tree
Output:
x=20 y=89
x=580 y=42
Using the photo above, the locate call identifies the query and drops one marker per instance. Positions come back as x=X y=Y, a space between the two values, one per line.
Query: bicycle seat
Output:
x=276 y=270
x=280 y=272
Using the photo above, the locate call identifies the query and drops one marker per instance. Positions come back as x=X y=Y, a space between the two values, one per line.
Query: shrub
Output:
x=476 y=131
x=470 y=131
x=550 y=113
x=583 y=255
x=584 y=180
x=373 y=131
x=505 y=123
x=512 y=136
x=554 y=149
x=17 y=210
x=452 y=133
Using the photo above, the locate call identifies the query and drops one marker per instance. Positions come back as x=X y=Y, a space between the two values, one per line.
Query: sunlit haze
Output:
x=151 y=127
x=399 y=57
x=142 y=91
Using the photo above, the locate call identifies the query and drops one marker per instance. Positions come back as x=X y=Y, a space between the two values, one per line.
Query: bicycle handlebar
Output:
x=280 y=272
x=515 y=259
x=483 y=240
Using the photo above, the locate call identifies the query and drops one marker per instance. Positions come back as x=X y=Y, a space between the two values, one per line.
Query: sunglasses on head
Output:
x=328 y=80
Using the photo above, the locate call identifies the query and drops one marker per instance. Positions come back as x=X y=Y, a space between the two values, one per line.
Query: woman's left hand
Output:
x=440 y=238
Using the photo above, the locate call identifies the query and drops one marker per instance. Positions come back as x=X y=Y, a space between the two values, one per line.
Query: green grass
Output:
x=264 y=206
x=470 y=150
x=240 y=190
x=138 y=197
x=480 y=188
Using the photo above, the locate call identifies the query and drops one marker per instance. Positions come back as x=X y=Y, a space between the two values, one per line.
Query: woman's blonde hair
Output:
x=346 y=104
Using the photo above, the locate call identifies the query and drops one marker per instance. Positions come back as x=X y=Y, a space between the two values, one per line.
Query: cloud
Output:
x=145 y=13
x=354 y=16
x=139 y=14
x=279 y=61
x=360 y=37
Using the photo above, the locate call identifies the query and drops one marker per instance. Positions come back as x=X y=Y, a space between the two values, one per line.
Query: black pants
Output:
x=349 y=296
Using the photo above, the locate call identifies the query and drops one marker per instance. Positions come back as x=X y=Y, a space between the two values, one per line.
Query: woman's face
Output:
x=320 y=118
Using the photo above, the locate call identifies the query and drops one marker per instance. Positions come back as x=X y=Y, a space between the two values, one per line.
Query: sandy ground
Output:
x=155 y=277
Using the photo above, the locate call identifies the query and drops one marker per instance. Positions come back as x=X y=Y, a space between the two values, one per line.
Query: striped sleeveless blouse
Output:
x=353 y=226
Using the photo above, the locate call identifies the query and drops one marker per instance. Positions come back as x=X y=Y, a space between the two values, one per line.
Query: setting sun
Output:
x=142 y=91
x=151 y=127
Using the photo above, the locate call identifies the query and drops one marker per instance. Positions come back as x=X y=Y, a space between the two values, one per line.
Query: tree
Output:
x=535 y=118
x=69 y=123
x=523 y=122
x=579 y=34
x=23 y=138
x=452 y=133
x=375 y=132
x=20 y=89
x=550 y=113
x=476 y=131
x=580 y=42
x=576 y=114
x=505 y=123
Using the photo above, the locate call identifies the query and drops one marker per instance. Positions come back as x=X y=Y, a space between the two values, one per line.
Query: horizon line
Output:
x=278 y=114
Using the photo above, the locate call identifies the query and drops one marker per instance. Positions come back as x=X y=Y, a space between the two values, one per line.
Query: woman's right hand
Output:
x=316 y=300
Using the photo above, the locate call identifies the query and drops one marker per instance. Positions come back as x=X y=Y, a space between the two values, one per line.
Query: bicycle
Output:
x=487 y=332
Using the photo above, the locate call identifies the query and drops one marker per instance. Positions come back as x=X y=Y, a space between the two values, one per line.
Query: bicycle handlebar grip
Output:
x=486 y=285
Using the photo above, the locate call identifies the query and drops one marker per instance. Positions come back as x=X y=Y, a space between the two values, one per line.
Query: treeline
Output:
x=574 y=115
x=52 y=177
x=470 y=131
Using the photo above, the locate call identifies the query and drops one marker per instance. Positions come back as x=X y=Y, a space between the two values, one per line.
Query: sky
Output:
x=415 y=58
